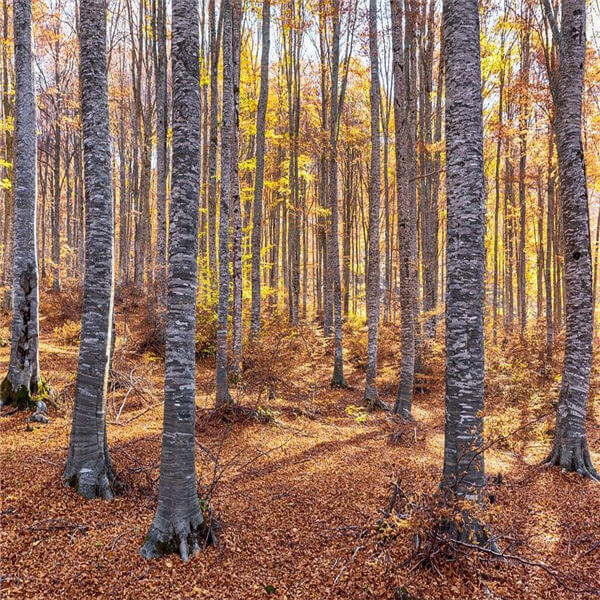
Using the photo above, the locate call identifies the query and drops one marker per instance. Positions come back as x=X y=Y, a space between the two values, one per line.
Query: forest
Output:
x=300 y=299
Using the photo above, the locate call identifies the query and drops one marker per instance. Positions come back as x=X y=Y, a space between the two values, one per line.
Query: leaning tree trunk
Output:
x=260 y=167
x=23 y=378
x=89 y=467
x=179 y=525
x=570 y=449
x=222 y=386
x=463 y=472
x=404 y=396
x=371 y=394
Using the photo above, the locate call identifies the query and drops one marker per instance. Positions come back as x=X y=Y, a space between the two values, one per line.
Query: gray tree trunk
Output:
x=222 y=386
x=236 y=207
x=570 y=449
x=463 y=473
x=373 y=284
x=214 y=138
x=161 y=143
x=178 y=525
x=88 y=466
x=404 y=396
x=23 y=378
x=261 y=115
x=333 y=260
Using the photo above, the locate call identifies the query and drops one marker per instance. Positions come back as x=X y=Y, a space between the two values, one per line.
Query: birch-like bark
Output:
x=88 y=466
x=463 y=473
x=373 y=285
x=570 y=450
x=23 y=378
x=178 y=525
x=404 y=396
x=222 y=385
x=261 y=116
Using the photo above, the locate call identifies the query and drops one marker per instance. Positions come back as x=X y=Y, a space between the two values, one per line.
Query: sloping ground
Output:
x=299 y=497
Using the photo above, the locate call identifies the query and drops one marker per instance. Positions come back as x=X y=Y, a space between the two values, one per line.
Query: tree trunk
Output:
x=334 y=247
x=463 y=473
x=179 y=526
x=373 y=284
x=88 y=466
x=261 y=116
x=404 y=396
x=23 y=377
x=570 y=449
x=236 y=207
x=222 y=386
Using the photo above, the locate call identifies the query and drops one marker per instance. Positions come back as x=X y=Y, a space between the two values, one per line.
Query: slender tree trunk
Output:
x=334 y=248
x=222 y=386
x=373 y=284
x=160 y=70
x=236 y=208
x=23 y=377
x=212 y=151
x=261 y=116
x=570 y=450
x=178 y=525
x=88 y=466
x=404 y=396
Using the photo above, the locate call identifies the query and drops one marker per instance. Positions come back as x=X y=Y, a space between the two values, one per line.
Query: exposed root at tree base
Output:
x=373 y=402
x=93 y=482
x=573 y=457
x=340 y=383
x=186 y=538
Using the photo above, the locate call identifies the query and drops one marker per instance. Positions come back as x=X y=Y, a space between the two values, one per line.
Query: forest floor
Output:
x=300 y=496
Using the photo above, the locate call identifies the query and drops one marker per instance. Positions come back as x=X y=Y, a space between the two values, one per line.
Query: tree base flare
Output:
x=186 y=538
x=94 y=481
x=573 y=456
x=24 y=398
x=372 y=401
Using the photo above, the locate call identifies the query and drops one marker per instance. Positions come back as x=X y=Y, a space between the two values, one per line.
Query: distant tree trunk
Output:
x=222 y=386
x=160 y=36
x=523 y=124
x=56 y=207
x=549 y=237
x=463 y=473
x=178 y=526
x=88 y=466
x=497 y=199
x=334 y=247
x=23 y=377
x=404 y=396
x=570 y=450
x=236 y=208
x=260 y=167
x=214 y=138
x=373 y=270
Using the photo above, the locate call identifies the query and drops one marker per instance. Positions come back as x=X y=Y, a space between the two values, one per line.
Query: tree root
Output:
x=372 y=400
x=187 y=538
x=573 y=456
x=93 y=482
